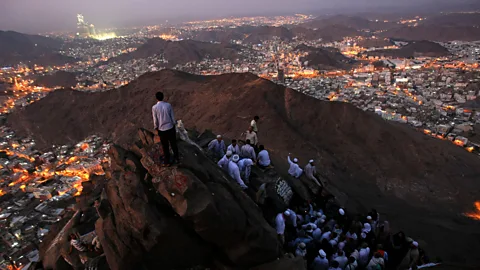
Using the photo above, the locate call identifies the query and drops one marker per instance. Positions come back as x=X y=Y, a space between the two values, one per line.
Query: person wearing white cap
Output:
x=301 y=250
x=234 y=171
x=280 y=220
x=217 y=147
x=294 y=169
x=245 y=166
x=310 y=172
x=411 y=258
x=223 y=163
x=247 y=151
x=321 y=261
x=234 y=148
x=341 y=212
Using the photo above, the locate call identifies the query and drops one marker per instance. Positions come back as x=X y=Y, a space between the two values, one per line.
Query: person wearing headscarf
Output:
x=294 y=169
x=223 y=163
x=321 y=261
x=234 y=171
x=217 y=147
x=411 y=258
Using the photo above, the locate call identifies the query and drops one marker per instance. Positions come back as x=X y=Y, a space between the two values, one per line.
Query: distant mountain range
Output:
x=181 y=52
x=324 y=58
x=30 y=49
x=413 y=49
x=448 y=27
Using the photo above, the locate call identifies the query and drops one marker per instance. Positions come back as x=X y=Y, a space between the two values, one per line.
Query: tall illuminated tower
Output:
x=82 y=26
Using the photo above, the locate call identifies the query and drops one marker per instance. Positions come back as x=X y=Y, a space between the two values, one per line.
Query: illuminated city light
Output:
x=476 y=213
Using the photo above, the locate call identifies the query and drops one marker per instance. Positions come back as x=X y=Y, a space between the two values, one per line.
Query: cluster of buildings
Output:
x=38 y=189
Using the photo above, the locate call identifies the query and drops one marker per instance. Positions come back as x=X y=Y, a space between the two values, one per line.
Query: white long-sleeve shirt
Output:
x=254 y=125
x=163 y=117
x=248 y=152
x=217 y=147
x=363 y=255
x=320 y=263
x=264 y=158
x=280 y=224
x=234 y=172
x=223 y=163
x=252 y=136
x=310 y=172
x=294 y=170
x=245 y=166
x=234 y=149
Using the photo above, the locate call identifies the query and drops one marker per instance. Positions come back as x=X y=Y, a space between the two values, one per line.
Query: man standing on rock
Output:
x=164 y=124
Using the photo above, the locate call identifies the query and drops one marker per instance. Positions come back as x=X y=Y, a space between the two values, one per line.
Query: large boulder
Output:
x=215 y=206
x=140 y=230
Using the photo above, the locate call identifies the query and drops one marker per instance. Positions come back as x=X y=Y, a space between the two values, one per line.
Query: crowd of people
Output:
x=326 y=240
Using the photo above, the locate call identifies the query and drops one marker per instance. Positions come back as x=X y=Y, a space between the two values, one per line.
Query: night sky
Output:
x=44 y=15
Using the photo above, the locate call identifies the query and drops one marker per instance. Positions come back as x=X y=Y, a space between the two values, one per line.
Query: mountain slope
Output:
x=180 y=52
x=324 y=58
x=441 y=33
x=414 y=49
x=420 y=184
x=17 y=47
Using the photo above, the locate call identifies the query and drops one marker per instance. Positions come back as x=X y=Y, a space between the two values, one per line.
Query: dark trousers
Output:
x=169 y=138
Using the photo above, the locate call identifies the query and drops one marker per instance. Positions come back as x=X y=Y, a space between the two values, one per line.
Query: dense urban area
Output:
x=431 y=86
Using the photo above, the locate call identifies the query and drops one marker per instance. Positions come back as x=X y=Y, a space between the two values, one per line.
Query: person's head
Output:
x=234 y=142
x=219 y=137
x=247 y=141
x=229 y=154
x=311 y=162
x=295 y=160
x=72 y=236
x=250 y=129
x=302 y=246
x=340 y=253
x=364 y=245
x=415 y=244
x=256 y=118
x=235 y=158
x=261 y=147
x=322 y=253
x=351 y=259
x=159 y=96
x=377 y=255
x=335 y=264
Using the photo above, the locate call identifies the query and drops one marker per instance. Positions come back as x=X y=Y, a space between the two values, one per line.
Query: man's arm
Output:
x=253 y=154
x=155 y=120
x=289 y=161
